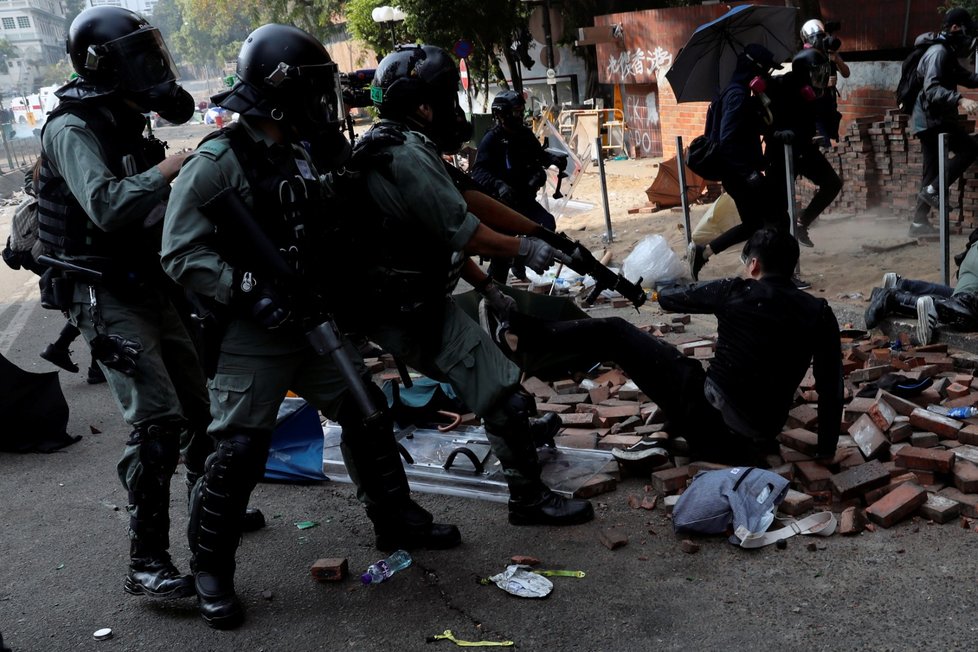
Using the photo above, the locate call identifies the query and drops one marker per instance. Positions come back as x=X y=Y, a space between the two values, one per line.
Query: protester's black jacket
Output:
x=768 y=333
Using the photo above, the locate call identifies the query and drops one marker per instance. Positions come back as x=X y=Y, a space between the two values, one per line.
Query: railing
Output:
x=18 y=153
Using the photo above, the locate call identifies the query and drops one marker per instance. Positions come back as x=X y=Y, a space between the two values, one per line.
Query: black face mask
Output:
x=171 y=101
x=448 y=127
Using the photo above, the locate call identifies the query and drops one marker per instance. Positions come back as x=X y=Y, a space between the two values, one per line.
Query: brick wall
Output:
x=684 y=120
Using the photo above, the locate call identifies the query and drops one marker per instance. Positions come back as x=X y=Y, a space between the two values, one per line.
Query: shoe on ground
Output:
x=695 y=259
x=434 y=536
x=801 y=235
x=157 y=578
x=252 y=520
x=890 y=280
x=217 y=602
x=59 y=357
x=547 y=508
x=800 y=284
x=95 y=375
x=878 y=306
x=640 y=459
x=930 y=197
x=926 y=319
x=922 y=228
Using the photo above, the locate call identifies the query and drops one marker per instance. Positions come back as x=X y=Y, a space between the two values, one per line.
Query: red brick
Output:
x=966 y=477
x=945 y=427
x=814 y=476
x=925 y=459
x=612 y=539
x=538 y=388
x=556 y=408
x=599 y=393
x=882 y=414
x=579 y=419
x=940 y=509
x=568 y=399
x=587 y=440
x=670 y=481
x=852 y=521
x=869 y=438
x=902 y=406
x=598 y=484
x=968 y=502
x=860 y=479
x=901 y=430
x=618 y=412
x=609 y=442
x=897 y=505
x=968 y=435
x=329 y=569
x=804 y=441
x=796 y=503
x=955 y=390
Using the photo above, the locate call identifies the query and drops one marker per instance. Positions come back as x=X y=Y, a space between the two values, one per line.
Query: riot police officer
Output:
x=419 y=238
x=249 y=230
x=512 y=164
x=100 y=193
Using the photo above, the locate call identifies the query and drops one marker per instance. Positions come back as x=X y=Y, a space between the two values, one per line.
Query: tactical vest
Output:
x=63 y=225
x=289 y=205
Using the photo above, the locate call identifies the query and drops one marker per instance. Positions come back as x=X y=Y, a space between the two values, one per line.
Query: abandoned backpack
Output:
x=910 y=83
x=742 y=500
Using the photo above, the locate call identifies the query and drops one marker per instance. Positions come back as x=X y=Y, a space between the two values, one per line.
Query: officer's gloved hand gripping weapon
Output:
x=244 y=240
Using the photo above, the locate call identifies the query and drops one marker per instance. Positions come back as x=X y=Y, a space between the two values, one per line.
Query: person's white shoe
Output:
x=890 y=280
x=926 y=319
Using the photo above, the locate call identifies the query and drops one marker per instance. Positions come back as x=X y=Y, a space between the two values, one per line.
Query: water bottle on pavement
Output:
x=381 y=570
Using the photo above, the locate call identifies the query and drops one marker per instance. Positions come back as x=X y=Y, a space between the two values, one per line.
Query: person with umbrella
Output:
x=735 y=122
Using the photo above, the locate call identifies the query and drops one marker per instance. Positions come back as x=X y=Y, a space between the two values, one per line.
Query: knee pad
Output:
x=352 y=419
x=159 y=447
x=517 y=406
x=238 y=462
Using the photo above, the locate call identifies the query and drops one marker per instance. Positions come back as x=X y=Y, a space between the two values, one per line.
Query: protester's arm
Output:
x=827 y=368
x=700 y=298
x=935 y=86
x=735 y=115
x=841 y=66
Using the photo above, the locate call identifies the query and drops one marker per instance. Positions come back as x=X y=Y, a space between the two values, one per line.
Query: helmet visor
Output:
x=141 y=60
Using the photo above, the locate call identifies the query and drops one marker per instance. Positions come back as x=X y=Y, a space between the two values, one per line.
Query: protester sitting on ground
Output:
x=768 y=334
x=933 y=304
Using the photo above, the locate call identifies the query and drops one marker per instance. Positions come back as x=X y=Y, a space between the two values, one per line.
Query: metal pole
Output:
x=393 y=36
x=681 y=165
x=609 y=235
x=3 y=135
x=942 y=203
x=789 y=173
x=548 y=37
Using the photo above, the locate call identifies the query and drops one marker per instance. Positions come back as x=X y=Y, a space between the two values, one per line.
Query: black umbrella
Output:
x=706 y=63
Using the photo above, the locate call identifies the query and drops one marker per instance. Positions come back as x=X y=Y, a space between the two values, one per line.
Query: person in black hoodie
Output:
x=736 y=121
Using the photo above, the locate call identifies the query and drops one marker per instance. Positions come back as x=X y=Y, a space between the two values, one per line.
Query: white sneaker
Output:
x=890 y=280
x=926 y=319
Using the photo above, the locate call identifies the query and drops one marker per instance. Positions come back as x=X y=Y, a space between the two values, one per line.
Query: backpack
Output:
x=910 y=83
x=704 y=156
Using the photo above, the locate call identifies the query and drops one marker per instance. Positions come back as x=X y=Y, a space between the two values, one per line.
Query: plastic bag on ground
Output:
x=653 y=261
x=519 y=581
x=721 y=216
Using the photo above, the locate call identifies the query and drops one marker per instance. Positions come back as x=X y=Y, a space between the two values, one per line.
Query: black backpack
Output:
x=910 y=82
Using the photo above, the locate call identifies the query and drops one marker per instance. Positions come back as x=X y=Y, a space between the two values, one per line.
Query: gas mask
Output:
x=758 y=86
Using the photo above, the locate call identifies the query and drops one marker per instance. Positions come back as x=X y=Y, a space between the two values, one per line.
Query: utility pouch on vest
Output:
x=62 y=292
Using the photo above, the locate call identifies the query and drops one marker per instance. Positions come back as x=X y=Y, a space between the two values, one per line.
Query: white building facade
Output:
x=36 y=29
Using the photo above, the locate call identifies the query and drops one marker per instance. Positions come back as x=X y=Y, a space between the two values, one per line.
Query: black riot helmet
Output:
x=416 y=75
x=811 y=67
x=508 y=108
x=287 y=75
x=115 y=50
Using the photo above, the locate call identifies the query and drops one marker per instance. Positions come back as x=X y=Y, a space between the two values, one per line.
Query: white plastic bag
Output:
x=653 y=261
x=518 y=580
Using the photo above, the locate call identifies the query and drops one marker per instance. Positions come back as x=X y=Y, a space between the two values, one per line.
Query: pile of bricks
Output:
x=880 y=163
x=896 y=458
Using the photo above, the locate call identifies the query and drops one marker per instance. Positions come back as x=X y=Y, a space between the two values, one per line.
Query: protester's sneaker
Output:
x=59 y=357
x=800 y=284
x=641 y=458
x=695 y=260
x=890 y=280
x=801 y=235
x=926 y=319
x=930 y=196
x=922 y=228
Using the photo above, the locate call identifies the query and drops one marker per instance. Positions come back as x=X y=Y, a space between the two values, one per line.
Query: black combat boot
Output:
x=151 y=573
x=538 y=505
x=370 y=452
x=888 y=301
x=217 y=501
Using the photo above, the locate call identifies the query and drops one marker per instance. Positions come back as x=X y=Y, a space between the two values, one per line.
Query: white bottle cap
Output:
x=103 y=634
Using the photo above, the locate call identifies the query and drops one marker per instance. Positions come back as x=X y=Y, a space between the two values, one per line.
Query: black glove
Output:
x=117 y=352
x=538 y=180
x=786 y=136
x=262 y=302
x=370 y=149
x=560 y=162
x=537 y=254
x=502 y=305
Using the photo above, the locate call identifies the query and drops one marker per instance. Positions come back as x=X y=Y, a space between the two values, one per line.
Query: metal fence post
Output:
x=789 y=176
x=609 y=234
x=944 y=216
x=681 y=164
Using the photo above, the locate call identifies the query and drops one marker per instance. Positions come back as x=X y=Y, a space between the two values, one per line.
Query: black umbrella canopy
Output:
x=706 y=63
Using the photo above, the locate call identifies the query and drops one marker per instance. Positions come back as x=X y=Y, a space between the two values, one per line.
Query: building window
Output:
x=8 y=23
x=23 y=22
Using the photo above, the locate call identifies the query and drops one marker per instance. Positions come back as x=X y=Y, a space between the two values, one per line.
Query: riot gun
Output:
x=355 y=87
x=582 y=261
x=243 y=239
